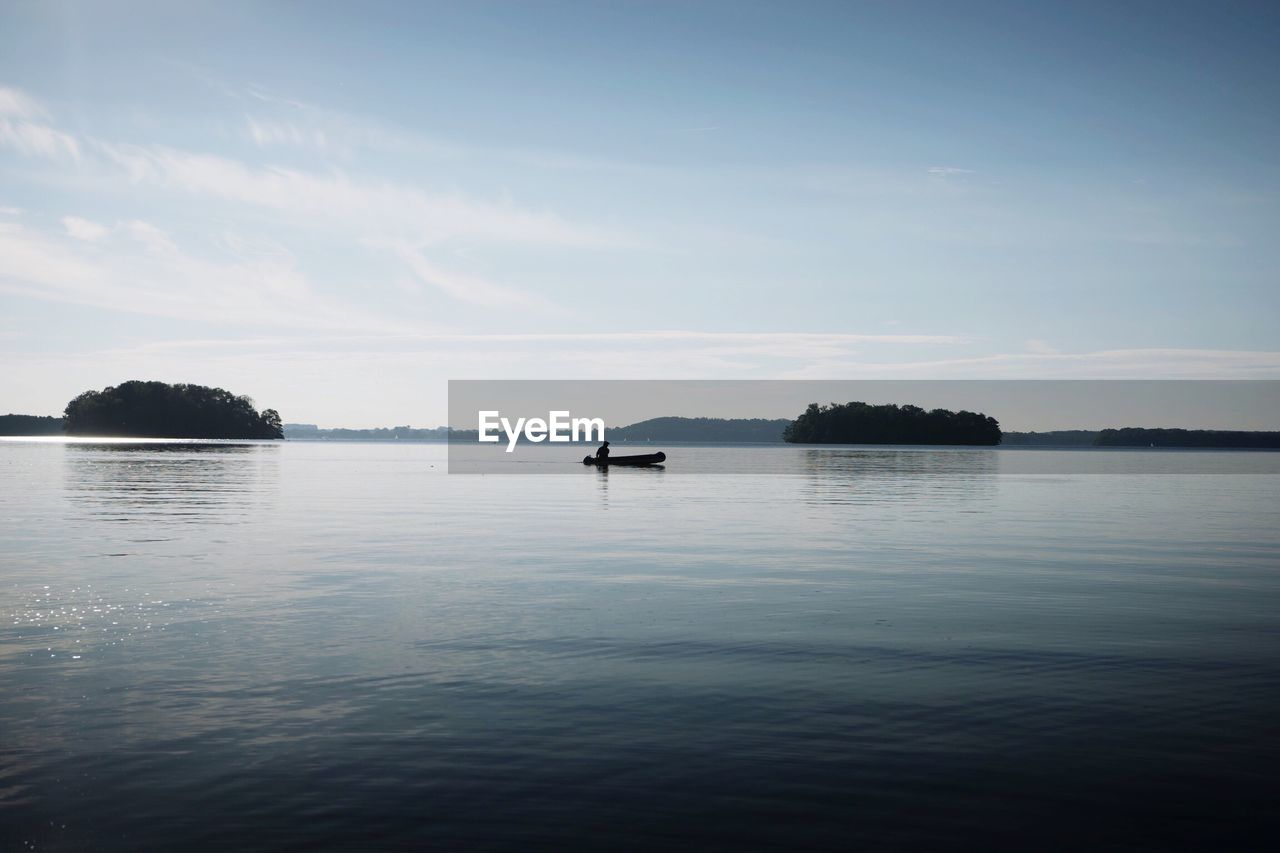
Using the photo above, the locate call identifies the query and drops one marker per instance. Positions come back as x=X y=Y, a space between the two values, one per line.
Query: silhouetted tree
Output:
x=271 y=420
x=863 y=423
x=161 y=410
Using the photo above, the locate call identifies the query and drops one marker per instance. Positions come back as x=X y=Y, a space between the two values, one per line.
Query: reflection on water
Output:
x=878 y=475
x=172 y=482
x=884 y=462
x=339 y=646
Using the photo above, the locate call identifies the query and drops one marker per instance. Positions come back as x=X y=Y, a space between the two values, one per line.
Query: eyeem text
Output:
x=558 y=426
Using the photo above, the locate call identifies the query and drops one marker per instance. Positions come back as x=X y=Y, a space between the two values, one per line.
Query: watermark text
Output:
x=559 y=426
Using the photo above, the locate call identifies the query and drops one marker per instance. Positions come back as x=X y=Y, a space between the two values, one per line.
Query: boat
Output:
x=644 y=459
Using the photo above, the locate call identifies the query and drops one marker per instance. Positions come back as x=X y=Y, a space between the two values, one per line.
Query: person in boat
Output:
x=602 y=454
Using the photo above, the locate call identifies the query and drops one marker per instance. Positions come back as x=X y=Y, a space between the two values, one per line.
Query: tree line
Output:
x=1146 y=437
x=30 y=425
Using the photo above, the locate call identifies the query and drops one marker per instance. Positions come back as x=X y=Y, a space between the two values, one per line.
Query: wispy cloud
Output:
x=38 y=140
x=15 y=102
x=399 y=218
x=20 y=129
x=266 y=133
x=135 y=266
x=406 y=221
x=368 y=206
x=84 y=229
x=460 y=286
x=275 y=121
x=153 y=239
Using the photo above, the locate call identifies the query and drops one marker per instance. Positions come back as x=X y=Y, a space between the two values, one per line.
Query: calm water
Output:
x=305 y=646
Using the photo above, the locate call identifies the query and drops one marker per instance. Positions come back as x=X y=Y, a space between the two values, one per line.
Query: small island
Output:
x=138 y=409
x=863 y=423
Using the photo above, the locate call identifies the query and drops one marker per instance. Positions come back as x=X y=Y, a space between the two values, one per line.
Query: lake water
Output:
x=340 y=646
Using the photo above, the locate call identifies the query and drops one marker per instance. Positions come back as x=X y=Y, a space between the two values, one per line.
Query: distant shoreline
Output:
x=743 y=431
x=745 y=445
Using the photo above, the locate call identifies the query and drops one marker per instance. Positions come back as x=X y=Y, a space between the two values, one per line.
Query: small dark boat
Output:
x=646 y=459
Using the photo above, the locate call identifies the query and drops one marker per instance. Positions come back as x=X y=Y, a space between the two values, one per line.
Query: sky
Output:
x=336 y=208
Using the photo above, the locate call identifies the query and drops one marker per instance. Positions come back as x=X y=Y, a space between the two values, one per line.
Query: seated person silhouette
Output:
x=602 y=455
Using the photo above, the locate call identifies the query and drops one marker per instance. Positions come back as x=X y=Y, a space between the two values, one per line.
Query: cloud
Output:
x=379 y=214
x=38 y=140
x=156 y=241
x=460 y=286
x=300 y=124
x=30 y=260
x=401 y=219
x=21 y=130
x=136 y=267
x=266 y=133
x=15 y=102
x=378 y=206
x=337 y=133
x=334 y=197
x=83 y=229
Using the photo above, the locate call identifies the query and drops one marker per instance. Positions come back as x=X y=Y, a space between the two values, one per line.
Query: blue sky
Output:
x=337 y=207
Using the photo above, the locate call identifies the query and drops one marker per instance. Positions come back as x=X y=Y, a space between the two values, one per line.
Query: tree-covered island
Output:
x=863 y=423
x=138 y=409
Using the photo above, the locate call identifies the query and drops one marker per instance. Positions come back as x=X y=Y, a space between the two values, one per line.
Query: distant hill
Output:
x=30 y=425
x=701 y=429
